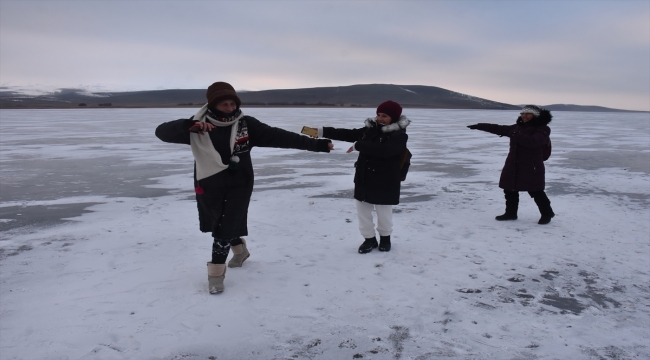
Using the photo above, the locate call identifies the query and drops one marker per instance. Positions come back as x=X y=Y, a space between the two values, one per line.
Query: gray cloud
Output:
x=584 y=52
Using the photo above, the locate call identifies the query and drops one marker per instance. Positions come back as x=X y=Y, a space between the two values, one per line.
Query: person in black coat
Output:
x=381 y=144
x=221 y=138
x=524 y=168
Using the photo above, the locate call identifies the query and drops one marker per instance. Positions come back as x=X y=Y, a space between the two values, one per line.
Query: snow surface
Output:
x=101 y=256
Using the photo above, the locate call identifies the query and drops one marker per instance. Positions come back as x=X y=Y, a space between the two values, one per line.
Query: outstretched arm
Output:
x=349 y=135
x=263 y=135
x=501 y=130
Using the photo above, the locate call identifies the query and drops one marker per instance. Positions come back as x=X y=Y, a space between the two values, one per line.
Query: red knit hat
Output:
x=390 y=108
x=221 y=91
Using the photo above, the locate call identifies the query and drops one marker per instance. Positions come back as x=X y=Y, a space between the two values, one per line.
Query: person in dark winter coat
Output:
x=381 y=144
x=524 y=168
x=221 y=138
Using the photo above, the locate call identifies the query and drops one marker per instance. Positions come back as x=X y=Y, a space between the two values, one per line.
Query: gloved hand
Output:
x=473 y=127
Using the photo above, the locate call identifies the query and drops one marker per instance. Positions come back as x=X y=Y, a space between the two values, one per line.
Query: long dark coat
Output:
x=524 y=168
x=376 y=179
x=223 y=205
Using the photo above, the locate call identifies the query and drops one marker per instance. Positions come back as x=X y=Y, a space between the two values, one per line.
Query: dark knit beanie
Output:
x=221 y=91
x=390 y=108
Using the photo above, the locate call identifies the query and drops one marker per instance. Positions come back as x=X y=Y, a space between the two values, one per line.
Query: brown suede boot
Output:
x=240 y=253
x=216 y=275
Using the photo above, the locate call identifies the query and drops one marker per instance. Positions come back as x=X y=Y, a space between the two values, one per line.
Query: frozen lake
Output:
x=101 y=256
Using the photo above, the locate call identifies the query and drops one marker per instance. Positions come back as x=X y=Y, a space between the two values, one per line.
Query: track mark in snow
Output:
x=348 y=343
x=469 y=291
x=397 y=338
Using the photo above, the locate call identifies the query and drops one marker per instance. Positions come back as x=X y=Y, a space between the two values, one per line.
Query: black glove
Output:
x=473 y=127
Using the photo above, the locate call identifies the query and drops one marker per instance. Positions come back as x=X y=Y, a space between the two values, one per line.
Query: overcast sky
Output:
x=544 y=52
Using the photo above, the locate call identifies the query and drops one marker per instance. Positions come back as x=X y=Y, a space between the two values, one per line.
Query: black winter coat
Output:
x=223 y=205
x=376 y=179
x=524 y=168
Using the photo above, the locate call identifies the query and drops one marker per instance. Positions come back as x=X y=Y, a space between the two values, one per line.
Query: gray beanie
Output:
x=531 y=109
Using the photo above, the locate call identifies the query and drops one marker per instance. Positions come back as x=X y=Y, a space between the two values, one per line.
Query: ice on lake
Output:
x=101 y=256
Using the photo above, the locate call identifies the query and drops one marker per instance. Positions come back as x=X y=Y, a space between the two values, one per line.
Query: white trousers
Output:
x=384 y=219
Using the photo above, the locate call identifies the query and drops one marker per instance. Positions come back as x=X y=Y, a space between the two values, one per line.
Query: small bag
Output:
x=404 y=164
x=546 y=150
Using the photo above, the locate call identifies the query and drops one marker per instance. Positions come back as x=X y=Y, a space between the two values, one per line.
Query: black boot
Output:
x=544 y=205
x=368 y=245
x=512 y=205
x=384 y=243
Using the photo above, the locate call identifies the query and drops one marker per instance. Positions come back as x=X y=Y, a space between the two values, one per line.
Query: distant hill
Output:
x=418 y=96
x=73 y=98
x=371 y=95
x=586 y=108
x=414 y=96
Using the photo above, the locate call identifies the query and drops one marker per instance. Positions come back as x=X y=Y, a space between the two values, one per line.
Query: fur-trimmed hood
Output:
x=400 y=124
x=544 y=118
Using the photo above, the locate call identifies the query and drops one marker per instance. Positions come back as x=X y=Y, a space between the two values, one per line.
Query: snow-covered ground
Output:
x=101 y=256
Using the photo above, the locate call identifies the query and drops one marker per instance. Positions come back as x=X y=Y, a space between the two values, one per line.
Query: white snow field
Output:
x=101 y=255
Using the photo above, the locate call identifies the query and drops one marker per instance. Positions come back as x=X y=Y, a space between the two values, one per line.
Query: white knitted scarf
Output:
x=208 y=160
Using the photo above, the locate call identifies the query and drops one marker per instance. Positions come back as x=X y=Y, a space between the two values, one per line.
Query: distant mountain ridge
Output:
x=370 y=95
x=414 y=96
x=587 y=108
x=341 y=96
